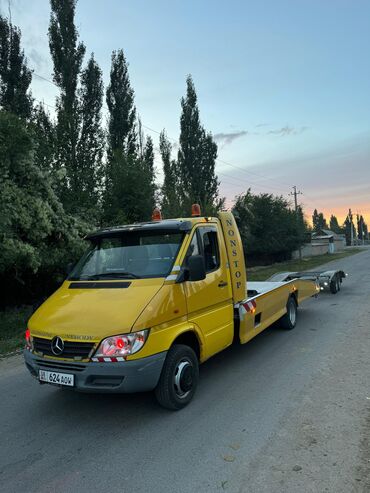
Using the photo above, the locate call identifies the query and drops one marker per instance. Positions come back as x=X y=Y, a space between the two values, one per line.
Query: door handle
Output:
x=222 y=284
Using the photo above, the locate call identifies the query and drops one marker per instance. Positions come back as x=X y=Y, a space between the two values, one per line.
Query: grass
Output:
x=264 y=272
x=13 y=321
x=13 y=324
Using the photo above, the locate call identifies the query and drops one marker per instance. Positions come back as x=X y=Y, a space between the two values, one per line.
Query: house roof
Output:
x=326 y=233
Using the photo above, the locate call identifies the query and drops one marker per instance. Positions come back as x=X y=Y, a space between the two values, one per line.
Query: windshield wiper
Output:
x=119 y=275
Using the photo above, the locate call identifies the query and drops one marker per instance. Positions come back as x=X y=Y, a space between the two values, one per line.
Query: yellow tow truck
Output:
x=148 y=302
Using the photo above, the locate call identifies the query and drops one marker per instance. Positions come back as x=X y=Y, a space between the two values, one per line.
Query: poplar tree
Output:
x=129 y=198
x=318 y=221
x=349 y=229
x=196 y=157
x=129 y=186
x=122 y=112
x=334 y=225
x=15 y=76
x=361 y=227
x=315 y=219
x=170 y=200
x=148 y=163
x=90 y=147
x=44 y=138
x=67 y=54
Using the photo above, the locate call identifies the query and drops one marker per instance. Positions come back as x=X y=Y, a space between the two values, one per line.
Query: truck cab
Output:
x=148 y=302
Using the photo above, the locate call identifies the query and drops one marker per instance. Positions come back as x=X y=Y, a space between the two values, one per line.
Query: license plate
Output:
x=56 y=378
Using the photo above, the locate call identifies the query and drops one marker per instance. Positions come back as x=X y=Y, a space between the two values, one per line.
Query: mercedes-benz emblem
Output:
x=57 y=345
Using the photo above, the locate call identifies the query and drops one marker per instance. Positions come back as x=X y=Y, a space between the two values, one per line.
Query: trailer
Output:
x=328 y=280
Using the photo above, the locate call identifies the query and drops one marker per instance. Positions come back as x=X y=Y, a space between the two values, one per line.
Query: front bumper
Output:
x=120 y=377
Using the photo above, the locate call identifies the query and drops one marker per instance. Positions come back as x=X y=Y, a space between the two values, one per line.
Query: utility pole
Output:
x=295 y=193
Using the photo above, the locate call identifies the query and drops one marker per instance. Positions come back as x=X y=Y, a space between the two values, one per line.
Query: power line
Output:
x=251 y=172
x=44 y=78
x=250 y=182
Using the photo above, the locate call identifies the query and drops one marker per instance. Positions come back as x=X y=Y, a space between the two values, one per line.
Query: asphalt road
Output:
x=287 y=413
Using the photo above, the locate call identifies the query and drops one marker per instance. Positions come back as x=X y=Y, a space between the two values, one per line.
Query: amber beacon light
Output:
x=195 y=210
x=156 y=216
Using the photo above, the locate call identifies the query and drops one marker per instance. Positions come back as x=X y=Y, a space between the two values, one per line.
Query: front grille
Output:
x=59 y=365
x=72 y=349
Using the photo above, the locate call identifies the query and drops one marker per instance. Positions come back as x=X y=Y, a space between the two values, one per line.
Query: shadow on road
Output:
x=216 y=376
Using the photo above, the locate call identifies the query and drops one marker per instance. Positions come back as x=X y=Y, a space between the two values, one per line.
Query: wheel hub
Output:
x=292 y=314
x=183 y=378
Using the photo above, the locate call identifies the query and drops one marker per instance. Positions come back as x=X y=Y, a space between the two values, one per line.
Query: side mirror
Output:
x=196 y=268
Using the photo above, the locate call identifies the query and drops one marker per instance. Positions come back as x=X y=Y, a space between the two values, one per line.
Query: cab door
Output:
x=209 y=302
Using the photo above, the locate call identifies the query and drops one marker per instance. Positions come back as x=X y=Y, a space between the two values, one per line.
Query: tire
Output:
x=179 y=378
x=289 y=320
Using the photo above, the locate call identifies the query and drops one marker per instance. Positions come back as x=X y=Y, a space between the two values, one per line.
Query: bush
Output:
x=269 y=228
x=37 y=237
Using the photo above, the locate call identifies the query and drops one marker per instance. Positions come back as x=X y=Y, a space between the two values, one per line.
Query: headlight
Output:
x=122 y=345
x=28 y=338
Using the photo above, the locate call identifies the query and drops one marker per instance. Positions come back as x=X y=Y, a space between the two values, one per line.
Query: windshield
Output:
x=131 y=255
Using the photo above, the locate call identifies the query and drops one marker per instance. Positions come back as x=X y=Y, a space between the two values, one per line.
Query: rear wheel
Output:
x=179 y=378
x=289 y=320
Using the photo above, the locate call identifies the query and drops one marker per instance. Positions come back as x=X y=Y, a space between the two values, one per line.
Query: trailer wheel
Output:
x=289 y=320
x=179 y=378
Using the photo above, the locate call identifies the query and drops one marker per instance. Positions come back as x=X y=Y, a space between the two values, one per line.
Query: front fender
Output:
x=163 y=336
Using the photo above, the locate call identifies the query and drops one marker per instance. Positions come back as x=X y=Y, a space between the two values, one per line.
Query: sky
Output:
x=284 y=86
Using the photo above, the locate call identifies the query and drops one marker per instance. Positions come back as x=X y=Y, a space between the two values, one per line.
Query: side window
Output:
x=207 y=246
x=193 y=247
x=210 y=248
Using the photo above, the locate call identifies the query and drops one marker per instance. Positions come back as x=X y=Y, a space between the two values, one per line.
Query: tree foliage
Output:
x=122 y=112
x=37 y=236
x=90 y=148
x=44 y=138
x=170 y=203
x=129 y=193
x=129 y=197
x=268 y=226
x=349 y=229
x=196 y=158
x=67 y=54
x=15 y=76
x=361 y=227
x=318 y=221
x=334 y=225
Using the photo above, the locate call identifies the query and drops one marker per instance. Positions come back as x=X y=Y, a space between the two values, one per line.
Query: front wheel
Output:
x=179 y=378
x=289 y=320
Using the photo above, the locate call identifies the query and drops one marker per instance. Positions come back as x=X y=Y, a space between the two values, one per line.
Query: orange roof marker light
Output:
x=156 y=216
x=195 y=210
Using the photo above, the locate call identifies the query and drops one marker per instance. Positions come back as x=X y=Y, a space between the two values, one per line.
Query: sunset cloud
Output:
x=287 y=130
x=228 y=138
